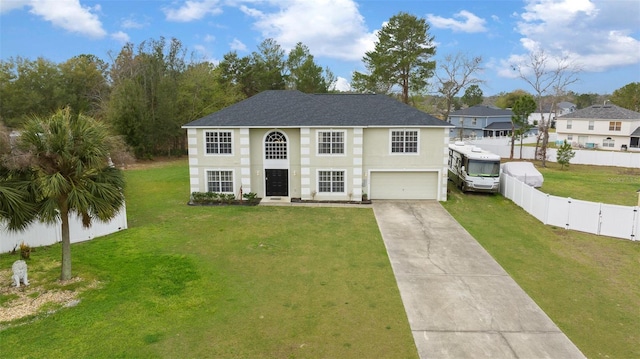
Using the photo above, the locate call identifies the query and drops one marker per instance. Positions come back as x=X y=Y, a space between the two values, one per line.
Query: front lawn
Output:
x=220 y=282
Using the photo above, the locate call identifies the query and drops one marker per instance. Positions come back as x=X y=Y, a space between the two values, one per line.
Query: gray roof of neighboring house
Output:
x=636 y=133
x=290 y=108
x=481 y=111
x=600 y=112
x=499 y=126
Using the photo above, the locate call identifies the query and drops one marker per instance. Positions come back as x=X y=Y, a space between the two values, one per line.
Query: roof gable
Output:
x=603 y=112
x=290 y=108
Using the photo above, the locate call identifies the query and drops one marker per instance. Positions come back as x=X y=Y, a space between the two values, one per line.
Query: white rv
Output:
x=473 y=169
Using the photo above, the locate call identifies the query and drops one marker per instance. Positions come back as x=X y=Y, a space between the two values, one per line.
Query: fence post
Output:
x=634 y=225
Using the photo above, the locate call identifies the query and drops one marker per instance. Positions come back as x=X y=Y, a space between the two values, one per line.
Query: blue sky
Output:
x=600 y=36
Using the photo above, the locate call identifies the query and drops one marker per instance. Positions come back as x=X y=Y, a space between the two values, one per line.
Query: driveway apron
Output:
x=459 y=301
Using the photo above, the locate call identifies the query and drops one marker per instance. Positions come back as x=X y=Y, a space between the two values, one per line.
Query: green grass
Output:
x=587 y=284
x=612 y=185
x=221 y=282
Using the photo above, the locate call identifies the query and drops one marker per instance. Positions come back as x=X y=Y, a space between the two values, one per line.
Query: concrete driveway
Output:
x=459 y=301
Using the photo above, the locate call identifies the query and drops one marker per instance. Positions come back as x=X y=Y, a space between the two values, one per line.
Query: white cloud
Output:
x=193 y=10
x=66 y=14
x=8 y=5
x=209 y=38
x=599 y=34
x=120 y=37
x=330 y=28
x=463 y=21
x=132 y=23
x=342 y=84
x=237 y=45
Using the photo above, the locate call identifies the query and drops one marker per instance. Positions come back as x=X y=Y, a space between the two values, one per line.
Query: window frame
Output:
x=331 y=143
x=615 y=126
x=608 y=142
x=220 y=181
x=404 y=141
x=592 y=125
x=569 y=124
x=271 y=152
x=331 y=181
x=217 y=132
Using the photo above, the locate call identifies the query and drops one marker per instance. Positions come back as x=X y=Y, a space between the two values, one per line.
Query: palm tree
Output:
x=17 y=206
x=70 y=172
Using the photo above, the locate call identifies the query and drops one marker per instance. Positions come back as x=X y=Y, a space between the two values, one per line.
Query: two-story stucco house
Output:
x=480 y=121
x=606 y=127
x=286 y=145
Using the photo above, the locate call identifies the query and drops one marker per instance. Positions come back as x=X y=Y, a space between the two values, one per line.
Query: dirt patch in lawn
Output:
x=25 y=301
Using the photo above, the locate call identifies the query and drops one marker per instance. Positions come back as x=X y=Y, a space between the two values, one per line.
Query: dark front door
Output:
x=277 y=182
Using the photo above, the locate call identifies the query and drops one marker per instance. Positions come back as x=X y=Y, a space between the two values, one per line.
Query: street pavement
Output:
x=459 y=301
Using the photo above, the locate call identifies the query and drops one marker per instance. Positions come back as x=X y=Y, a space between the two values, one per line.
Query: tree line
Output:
x=145 y=93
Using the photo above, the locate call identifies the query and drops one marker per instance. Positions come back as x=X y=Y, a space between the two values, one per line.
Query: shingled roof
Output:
x=290 y=108
x=603 y=112
x=482 y=111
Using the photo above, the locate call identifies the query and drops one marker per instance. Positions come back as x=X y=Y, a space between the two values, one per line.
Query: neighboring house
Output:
x=607 y=127
x=480 y=121
x=286 y=145
x=560 y=109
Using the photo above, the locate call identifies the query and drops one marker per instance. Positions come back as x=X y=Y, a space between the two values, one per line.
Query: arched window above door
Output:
x=275 y=146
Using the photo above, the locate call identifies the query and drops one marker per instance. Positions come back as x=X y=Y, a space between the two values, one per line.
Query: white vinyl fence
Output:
x=40 y=234
x=597 y=218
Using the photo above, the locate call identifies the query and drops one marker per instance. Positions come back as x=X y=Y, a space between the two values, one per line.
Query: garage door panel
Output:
x=404 y=185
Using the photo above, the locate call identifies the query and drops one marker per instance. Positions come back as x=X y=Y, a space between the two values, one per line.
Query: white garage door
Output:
x=404 y=185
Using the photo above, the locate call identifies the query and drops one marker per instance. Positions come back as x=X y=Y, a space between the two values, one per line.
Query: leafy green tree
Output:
x=585 y=100
x=70 y=172
x=201 y=92
x=304 y=74
x=84 y=79
x=524 y=106
x=142 y=104
x=237 y=72
x=507 y=100
x=472 y=96
x=268 y=66
x=29 y=87
x=565 y=154
x=455 y=73
x=17 y=204
x=401 y=58
x=262 y=70
x=628 y=96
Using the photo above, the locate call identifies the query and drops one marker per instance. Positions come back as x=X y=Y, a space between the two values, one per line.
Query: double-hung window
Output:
x=591 y=124
x=330 y=142
x=218 y=142
x=569 y=124
x=404 y=141
x=220 y=181
x=331 y=181
x=615 y=126
x=608 y=142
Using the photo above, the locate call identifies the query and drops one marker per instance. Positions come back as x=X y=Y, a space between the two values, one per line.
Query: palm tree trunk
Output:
x=66 y=244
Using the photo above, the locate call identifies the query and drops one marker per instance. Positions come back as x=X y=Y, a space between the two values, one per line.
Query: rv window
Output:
x=484 y=168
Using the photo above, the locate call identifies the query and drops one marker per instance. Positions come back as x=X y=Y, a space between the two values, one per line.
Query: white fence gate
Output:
x=591 y=217
x=40 y=234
